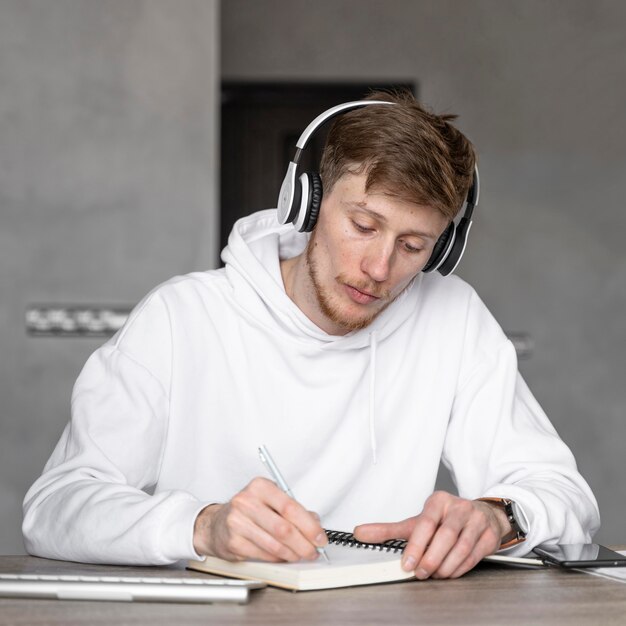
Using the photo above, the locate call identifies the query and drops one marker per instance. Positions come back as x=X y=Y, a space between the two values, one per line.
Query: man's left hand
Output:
x=448 y=538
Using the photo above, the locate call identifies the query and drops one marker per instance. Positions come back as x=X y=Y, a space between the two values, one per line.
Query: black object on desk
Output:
x=580 y=555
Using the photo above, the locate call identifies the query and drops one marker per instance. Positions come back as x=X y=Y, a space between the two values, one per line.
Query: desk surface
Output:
x=490 y=594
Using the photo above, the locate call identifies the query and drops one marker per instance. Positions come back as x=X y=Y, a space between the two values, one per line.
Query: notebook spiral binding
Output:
x=348 y=539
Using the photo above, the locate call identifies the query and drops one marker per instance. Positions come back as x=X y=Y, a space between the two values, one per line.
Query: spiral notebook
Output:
x=352 y=563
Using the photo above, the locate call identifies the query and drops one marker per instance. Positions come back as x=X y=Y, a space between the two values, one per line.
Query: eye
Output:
x=361 y=228
x=411 y=249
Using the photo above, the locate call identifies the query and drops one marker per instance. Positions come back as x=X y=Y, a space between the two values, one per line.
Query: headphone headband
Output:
x=290 y=196
x=326 y=116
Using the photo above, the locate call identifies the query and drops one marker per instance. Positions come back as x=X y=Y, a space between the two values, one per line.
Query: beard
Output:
x=331 y=306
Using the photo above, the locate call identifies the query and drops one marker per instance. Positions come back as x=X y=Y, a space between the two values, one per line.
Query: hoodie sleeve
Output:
x=501 y=444
x=92 y=502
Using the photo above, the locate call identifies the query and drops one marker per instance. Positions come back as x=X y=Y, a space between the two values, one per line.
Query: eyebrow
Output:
x=362 y=207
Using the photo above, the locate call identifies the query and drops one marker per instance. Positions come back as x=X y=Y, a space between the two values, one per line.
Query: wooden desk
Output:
x=490 y=594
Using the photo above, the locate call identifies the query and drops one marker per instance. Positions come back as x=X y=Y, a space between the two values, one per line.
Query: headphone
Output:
x=300 y=198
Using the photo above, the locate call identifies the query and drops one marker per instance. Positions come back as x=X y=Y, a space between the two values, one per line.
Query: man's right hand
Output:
x=260 y=522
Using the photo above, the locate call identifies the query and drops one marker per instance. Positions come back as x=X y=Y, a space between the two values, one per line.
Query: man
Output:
x=358 y=371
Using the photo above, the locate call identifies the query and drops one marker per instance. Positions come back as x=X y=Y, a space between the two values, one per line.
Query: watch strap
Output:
x=518 y=535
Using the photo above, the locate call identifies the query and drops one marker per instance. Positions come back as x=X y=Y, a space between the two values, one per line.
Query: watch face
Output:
x=519 y=517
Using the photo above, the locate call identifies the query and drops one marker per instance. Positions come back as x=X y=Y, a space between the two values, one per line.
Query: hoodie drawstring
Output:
x=372 y=402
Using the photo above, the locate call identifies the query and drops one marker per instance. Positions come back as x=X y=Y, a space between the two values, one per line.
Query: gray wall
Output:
x=541 y=90
x=108 y=119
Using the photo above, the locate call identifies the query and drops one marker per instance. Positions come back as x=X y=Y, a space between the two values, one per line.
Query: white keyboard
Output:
x=126 y=588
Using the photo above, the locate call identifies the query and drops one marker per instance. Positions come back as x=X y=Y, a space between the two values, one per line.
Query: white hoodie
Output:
x=168 y=415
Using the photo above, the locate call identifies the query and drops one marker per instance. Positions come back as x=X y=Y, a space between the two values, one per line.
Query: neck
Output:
x=297 y=281
x=287 y=271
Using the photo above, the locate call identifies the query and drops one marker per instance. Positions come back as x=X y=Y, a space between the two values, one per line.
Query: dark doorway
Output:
x=261 y=123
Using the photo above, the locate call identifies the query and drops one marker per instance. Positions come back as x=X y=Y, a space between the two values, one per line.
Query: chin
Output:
x=350 y=320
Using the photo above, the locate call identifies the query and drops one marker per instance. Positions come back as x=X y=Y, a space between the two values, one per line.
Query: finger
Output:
x=296 y=527
x=243 y=549
x=284 y=519
x=480 y=536
x=377 y=533
x=287 y=534
x=426 y=526
x=238 y=527
x=440 y=545
x=485 y=546
x=464 y=546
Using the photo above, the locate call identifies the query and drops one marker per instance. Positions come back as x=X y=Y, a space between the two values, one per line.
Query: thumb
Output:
x=377 y=533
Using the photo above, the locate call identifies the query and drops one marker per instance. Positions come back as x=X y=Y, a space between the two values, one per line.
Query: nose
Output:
x=376 y=262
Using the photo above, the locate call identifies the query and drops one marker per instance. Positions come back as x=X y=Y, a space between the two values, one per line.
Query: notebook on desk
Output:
x=352 y=563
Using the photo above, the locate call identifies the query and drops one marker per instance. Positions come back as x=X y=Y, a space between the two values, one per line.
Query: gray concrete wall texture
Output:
x=108 y=186
x=108 y=113
x=540 y=87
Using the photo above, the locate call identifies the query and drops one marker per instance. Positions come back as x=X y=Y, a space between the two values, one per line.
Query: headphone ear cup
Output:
x=441 y=249
x=314 y=203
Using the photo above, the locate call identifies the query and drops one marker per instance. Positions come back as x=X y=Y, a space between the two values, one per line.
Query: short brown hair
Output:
x=406 y=151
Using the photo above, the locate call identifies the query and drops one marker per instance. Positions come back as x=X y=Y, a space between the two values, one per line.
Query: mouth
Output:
x=358 y=296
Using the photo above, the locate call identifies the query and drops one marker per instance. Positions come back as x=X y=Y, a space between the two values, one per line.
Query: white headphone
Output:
x=300 y=197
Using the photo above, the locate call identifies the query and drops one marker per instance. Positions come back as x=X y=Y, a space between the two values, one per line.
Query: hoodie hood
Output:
x=256 y=245
x=252 y=257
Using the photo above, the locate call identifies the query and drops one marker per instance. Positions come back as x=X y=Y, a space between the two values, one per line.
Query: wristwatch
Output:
x=518 y=531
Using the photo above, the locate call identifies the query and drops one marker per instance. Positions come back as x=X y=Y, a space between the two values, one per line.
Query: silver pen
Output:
x=268 y=461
